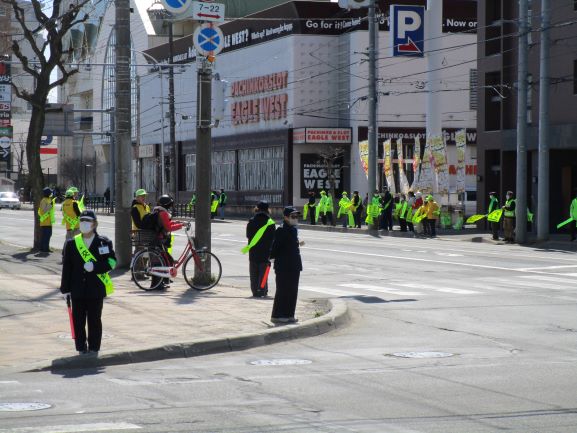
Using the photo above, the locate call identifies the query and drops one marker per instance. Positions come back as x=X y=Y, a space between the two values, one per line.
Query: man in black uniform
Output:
x=288 y=266
x=387 y=212
x=311 y=208
x=260 y=233
x=88 y=258
x=358 y=205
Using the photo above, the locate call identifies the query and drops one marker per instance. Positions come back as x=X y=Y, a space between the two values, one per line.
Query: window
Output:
x=190 y=172
x=224 y=170
x=261 y=169
x=2 y=11
x=529 y=97
x=493 y=101
x=575 y=77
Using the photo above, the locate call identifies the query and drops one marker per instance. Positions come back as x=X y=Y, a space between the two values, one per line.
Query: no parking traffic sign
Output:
x=177 y=7
x=208 y=39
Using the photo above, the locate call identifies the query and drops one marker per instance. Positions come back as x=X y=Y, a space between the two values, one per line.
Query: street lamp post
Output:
x=85 y=187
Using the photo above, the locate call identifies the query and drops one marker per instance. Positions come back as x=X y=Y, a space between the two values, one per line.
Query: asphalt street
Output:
x=446 y=336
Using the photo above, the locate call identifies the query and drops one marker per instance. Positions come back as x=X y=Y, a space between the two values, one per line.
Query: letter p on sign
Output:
x=409 y=22
x=407 y=30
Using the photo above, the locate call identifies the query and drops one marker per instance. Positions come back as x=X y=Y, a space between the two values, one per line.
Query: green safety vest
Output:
x=509 y=213
x=87 y=256
x=257 y=236
x=493 y=204
x=214 y=206
x=191 y=203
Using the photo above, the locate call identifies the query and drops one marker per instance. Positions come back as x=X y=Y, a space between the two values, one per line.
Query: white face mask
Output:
x=85 y=227
x=293 y=221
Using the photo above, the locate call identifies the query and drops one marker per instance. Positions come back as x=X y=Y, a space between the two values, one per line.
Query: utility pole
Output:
x=372 y=127
x=543 y=169
x=202 y=229
x=123 y=150
x=172 y=121
x=521 y=193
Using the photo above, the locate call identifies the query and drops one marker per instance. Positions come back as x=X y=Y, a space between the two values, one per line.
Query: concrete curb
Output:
x=337 y=317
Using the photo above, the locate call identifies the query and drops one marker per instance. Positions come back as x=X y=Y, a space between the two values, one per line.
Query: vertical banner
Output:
x=439 y=152
x=388 y=165
x=364 y=156
x=426 y=174
x=416 y=164
x=5 y=144
x=461 y=142
x=5 y=94
x=403 y=181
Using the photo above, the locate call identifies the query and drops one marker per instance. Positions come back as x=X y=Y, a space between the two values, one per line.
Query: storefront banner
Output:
x=416 y=164
x=461 y=139
x=319 y=174
x=426 y=175
x=388 y=165
x=403 y=181
x=364 y=156
x=439 y=152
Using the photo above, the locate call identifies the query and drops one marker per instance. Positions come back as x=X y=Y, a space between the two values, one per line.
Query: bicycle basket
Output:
x=143 y=238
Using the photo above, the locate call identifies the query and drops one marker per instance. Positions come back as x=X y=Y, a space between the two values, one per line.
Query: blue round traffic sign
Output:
x=176 y=6
x=208 y=39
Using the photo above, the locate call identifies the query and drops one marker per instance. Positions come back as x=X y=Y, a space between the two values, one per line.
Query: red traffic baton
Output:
x=265 y=276
x=70 y=317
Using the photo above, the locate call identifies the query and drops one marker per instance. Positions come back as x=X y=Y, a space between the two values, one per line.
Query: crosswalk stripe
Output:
x=439 y=289
x=74 y=428
x=327 y=291
x=547 y=278
x=380 y=289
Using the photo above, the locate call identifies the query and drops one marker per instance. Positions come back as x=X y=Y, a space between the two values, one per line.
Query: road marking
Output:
x=438 y=289
x=4 y=382
x=380 y=289
x=548 y=267
x=448 y=254
x=326 y=291
x=565 y=281
x=74 y=428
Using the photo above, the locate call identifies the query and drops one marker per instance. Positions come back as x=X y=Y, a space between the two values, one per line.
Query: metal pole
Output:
x=111 y=174
x=173 y=153
x=372 y=127
x=162 y=168
x=123 y=151
x=203 y=155
x=543 y=170
x=521 y=193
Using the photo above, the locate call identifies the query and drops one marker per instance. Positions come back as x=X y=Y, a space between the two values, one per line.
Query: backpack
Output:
x=150 y=222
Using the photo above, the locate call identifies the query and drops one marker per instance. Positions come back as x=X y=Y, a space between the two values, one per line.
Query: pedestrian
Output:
x=433 y=212
x=387 y=210
x=213 y=204
x=165 y=226
x=509 y=218
x=260 y=234
x=107 y=196
x=70 y=215
x=192 y=203
x=222 y=202
x=374 y=209
x=493 y=206
x=139 y=209
x=345 y=205
x=88 y=258
x=403 y=212
x=573 y=214
x=310 y=209
x=46 y=217
x=286 y=254
x=410 y=211
x=325 y=208
x=357 y=209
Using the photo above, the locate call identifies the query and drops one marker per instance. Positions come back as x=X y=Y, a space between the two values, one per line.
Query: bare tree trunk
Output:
x=35 y=176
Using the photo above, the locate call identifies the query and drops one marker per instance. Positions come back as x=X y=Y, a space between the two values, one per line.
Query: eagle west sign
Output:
x=322 y=136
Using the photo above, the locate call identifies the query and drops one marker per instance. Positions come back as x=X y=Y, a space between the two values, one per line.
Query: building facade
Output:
x=496 y=140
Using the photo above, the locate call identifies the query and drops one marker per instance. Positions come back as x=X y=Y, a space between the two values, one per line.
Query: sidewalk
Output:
x=138 y=326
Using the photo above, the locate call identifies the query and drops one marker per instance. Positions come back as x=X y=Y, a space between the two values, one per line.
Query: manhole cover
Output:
x=281 y=362
x=422 y=354
x=20 y=407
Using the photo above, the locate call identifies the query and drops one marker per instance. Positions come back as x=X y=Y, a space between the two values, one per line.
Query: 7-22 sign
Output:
x=202 y=11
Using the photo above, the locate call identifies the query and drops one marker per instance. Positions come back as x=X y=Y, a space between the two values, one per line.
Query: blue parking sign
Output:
x=407 y=30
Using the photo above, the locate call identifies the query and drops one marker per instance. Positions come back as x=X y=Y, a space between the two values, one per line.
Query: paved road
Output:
x=504 y=317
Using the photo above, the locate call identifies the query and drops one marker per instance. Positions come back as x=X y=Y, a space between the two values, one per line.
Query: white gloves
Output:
x=89 y=266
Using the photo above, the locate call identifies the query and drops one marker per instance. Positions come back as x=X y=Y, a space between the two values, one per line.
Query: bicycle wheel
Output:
x=204 y=271
x=141 y=264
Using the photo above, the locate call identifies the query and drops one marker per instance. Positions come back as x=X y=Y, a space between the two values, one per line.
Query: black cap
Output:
x=289 y=210
x=88 y=215
x=492 y=193
x=262 y=205
x=47 y=192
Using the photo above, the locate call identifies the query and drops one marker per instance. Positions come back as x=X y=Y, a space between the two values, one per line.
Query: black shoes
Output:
x=284 y=320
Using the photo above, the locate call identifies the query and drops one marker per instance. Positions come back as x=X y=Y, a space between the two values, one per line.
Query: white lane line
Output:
x=548 y=267
x=74 y=428
x=565 y=281
x=332 y=292
x=438 y=289
x=4 y=382
x=380 y=289
x=574 y=274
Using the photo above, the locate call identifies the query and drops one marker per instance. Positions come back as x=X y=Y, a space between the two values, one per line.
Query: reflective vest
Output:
x=191 y=203
x=46 y=218
x=222 y=198
x=213 y=203
x=509 y=213
x=257 y=236
x=573 y=209
x=493 y=205
x=403 y=214
x=87 y=256
x=143 y=209
x=70 y=219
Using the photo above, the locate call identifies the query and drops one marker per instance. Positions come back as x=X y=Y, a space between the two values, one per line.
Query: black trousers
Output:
x=285 y=299
x=257 y=270
x=87 y=311
x=45 y=239
x=312 y=214
x=358 y=217
x=387 y=216
x=573 y=229
x=431 y=223
x=403 y=224
x=495 y=230
x=327 y=218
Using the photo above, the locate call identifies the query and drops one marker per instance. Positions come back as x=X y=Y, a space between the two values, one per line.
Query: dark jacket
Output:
x=260 y=252
x=75 y=280
x=285 y=250
x=387 y=198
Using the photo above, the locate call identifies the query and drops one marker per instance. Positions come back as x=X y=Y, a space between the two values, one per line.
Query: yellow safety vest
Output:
x=46 y=218
x=257 y=236
x=87 y=256
x=143 y=209
x=70 y=219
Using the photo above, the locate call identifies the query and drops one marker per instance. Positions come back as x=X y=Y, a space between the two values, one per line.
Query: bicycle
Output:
x=152 y=264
